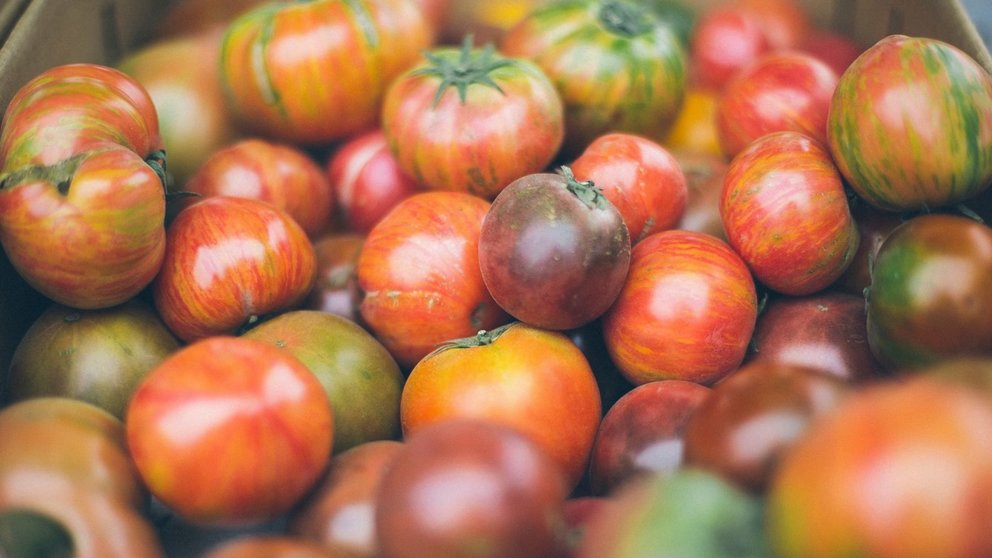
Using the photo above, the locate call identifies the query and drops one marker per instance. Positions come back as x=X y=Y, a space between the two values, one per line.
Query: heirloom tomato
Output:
x=640 y=178
x=553 y=251
x=230 y=431
x=874 y=226
x=694 y=129
x=910 y=124
x=472 y=120
x=278 y=173
x=686 y=311
x=780 y=91
x=785 y=211
x=419 y=274
x=616 y=67
x=470 y=488
x=517 y=375
x=727 y=39
x=367 y=181
x=229 y=262
x=930 y=297
x=314 y=72
x=897 y=470
x=704 y=173
x=268 y=545
x=785 y=23
x=335 y=289
x=834 y=48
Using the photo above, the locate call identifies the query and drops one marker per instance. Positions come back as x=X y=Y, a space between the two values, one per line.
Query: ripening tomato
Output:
x=910 y=124
x=727 y=39
x=335 y=290
x=785 y=23
x=694 y=129
x=472 y=120
x=785 y=211
x=313 y=72
x=686 y=311
x=516 y=375
x=265 y=545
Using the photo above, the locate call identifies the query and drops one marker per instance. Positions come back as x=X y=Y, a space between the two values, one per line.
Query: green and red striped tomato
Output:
x=910 y=124
x=616 y=66
x=930 y=297
x=785 y=211
x=313 y=72
x=472 y=120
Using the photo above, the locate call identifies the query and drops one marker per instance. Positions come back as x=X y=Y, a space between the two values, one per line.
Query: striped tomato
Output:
x=910 y=124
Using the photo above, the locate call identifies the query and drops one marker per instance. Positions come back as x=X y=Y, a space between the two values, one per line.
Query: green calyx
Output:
x=60 y=174
x=471 y=66
x=480 y=339
x=625 y=19
x=586 y=191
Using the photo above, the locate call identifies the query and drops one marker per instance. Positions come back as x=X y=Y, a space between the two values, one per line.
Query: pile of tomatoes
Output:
x=440 y=278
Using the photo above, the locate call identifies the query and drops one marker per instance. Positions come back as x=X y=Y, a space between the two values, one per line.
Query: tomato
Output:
x=517 y=375
x=278 y=173
x=340 y=510
x=836 y=49
x=704 y=173
x=874 y=225
x=825 y=331
x=785 y=23
x=291 y=68
x=727 y=39
x=899 y=469
x=910 y=124
x=785 y=211
x=367 y=181
x=615 y=66
x=230 y=431
x=419 y=272
x=268 y=546
x=472 y=120
x=686 y=310
x=229 y=262
x=929 y=297
x=98 y=356
x=694 y=129
x=642 y=179
x=780 y=91
x=553 y=251
x=336 y=288
x=642 y=433
x=357 y=373
x=189 y=17
x=470 y=488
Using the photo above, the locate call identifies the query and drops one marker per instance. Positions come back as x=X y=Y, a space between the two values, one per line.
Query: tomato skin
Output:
x=615 y=66
x=910 y=124
x=268 y=546
x=694 y=129
x=727 y=39
x=541 y=377
x=686 y=311
x=640 y=178
x=230 y=431
x=335 y=289
x=793 y=227
x=275 y=61
x=482 y=143
x=929 y=297
x=550 y=257
x=419 y=272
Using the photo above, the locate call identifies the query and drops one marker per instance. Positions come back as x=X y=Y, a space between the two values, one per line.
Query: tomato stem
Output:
x=470 y=66
x=60 y=173
x=480 y=339
x=586 y=191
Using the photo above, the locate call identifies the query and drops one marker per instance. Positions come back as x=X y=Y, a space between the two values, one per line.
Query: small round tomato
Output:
x=785 y=211
x=230 y=431
x=686 y=311
x=640 y=178
x=727 y=39
x=472 y=120
x=517 y=375
x=553 y=251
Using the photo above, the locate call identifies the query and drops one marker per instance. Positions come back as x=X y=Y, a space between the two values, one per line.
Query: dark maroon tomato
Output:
x=874 y=225
x=465 y=487
x=642 y=433
x=336 y=287
x=825 y=331
x=554 y=252
x=751 y=418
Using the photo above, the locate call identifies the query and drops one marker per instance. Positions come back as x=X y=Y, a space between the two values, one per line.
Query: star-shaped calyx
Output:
x=471 y=66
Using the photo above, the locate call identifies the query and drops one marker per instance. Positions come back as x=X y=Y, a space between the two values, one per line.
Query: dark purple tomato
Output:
x=825 y=331
x=752 y=417
x=642 y=433
x=612 y=383
x=466 y=487
x=554 y=252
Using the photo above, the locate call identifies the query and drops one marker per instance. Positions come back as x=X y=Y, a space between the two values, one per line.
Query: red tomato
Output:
x=472 y=120
x=910 y=124
x=419 y=272
x=336 y=288
x=367 y=181
x=686 y=311
x=230 y=431
x=704 y=173
x=268 y=546
x=781 y=91
x=229 y=262
x=874 y=226
x=518 y=375
x=639 y=177
x=785 y=212
x=785 y=23
x=836 y=49
x=726 y=39
x=280 y=174
x=313 y=72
